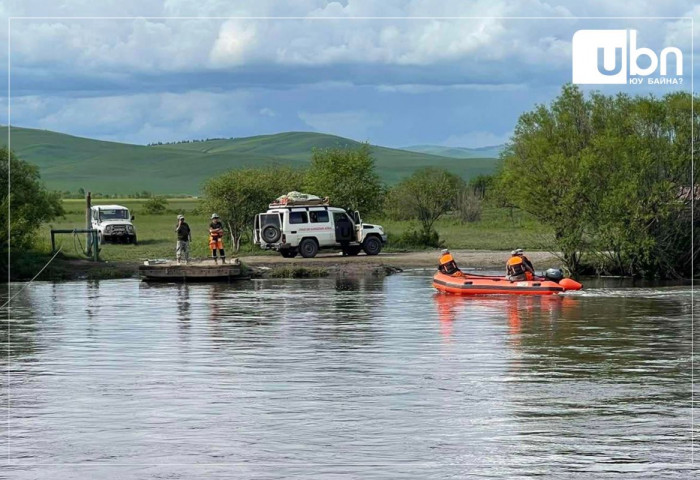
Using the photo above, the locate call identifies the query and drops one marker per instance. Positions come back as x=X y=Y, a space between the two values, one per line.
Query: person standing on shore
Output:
x=216 y=238
x=184 y=236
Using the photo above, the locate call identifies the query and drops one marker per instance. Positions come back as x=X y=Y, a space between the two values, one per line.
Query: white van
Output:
x=304 y=229
x=113 y=224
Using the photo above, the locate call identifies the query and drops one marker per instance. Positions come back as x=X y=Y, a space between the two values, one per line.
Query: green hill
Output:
x=68 y=163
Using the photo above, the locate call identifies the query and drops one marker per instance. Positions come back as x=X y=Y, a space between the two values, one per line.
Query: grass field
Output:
x=496 y=231
x=67 y=163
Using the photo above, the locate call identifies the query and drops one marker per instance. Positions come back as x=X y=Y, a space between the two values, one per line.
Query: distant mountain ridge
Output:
x=67 y=162
x=493 y=151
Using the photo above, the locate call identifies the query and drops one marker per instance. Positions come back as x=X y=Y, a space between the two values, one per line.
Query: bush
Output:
x=425 y=196
x=155 y=205
x=469 y=205
x=417 y=239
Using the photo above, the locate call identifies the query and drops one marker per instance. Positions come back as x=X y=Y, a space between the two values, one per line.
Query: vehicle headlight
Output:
x=130 y=228
x=108 y=229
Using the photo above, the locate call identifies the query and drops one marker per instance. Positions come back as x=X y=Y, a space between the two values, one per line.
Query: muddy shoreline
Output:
x=325 y=264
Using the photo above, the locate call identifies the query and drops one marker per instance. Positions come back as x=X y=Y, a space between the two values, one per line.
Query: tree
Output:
x=543 y=172
x=155 y=205
x=424 y=196
x=29 y=202
x=481 y=184
x=606 y=175
x=347 y=176
x=238 y=195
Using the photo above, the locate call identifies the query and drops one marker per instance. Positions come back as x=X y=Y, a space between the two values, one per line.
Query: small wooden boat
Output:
x=472 y=284
x=200 y=271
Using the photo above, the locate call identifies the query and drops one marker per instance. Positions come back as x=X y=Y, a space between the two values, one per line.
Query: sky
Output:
x=148 y=71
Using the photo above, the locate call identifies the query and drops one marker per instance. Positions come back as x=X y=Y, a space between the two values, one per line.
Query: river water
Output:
x=345 y=378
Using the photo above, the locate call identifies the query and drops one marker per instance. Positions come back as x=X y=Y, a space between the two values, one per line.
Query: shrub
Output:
x=417 y=239
x=155 y=205
x=469 y=205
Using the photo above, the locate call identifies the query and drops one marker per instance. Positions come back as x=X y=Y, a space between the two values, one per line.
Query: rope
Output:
x=35 y=276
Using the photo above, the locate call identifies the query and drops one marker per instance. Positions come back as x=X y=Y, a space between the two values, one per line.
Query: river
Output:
x=345 y=378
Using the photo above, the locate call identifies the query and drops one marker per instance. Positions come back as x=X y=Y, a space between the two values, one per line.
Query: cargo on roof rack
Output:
x=299 y=199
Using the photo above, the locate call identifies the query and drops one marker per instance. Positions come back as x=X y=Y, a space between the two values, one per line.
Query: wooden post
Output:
x=95 y=247
x=88 y=224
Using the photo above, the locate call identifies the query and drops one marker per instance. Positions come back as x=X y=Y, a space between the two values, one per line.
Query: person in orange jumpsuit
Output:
x=216 y=238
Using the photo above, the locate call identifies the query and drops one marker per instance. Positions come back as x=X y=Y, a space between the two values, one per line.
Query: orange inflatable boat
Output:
x=472 y=284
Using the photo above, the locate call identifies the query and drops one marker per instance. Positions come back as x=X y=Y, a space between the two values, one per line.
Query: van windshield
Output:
x=114 y=214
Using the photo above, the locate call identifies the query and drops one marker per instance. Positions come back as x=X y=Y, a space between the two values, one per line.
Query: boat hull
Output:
x=485 y=285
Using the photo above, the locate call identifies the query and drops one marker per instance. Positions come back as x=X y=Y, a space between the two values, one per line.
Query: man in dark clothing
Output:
x=184 y=237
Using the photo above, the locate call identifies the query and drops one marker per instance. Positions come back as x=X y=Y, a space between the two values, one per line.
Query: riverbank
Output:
x=325 y=264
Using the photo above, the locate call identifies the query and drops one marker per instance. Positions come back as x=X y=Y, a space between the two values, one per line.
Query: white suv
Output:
x=304 y=229
x=113 y=223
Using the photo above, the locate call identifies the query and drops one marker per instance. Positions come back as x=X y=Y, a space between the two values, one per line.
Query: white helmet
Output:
x=517 y=251
x=180 y=217
x=214 y=215
x=444 y=251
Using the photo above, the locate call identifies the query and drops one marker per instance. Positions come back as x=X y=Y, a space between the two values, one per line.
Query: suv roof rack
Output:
x=310 y=202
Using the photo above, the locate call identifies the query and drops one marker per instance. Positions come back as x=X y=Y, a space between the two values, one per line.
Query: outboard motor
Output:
x=554 y=274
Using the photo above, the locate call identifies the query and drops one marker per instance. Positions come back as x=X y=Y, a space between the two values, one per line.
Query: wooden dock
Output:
x=196 y=271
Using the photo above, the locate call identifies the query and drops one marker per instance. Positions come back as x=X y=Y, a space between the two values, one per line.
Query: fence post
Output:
x=95 y=249
x=88 y=224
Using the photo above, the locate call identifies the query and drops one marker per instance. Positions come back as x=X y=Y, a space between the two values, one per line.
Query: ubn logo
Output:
x=601 y=56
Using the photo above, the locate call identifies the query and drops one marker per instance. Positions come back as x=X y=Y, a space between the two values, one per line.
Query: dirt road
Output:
x=466 y=259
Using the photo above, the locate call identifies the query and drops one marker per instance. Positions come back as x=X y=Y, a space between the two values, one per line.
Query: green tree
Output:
x=347 y=176
x=155 y=205
x=543 y=172
x=30 y=204
x=481 y=184
x=238 y=195
x=640 y=166
x=606 y=175
x=424 y=196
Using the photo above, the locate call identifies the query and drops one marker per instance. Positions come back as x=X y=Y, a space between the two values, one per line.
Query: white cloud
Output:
x=417 y=88
x=140 y=118
x=267 y=112
x=235 y=44
x=189 y=45
x=356 y=124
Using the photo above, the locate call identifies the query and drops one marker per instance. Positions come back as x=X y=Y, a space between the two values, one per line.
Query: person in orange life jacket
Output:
x=447 y=264
x=519 y=267
x=216 y=235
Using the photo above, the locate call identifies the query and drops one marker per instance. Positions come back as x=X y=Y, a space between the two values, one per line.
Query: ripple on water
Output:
x=345 y=378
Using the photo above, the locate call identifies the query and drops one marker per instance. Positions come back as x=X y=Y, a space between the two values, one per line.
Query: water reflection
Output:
x=287 y=374
x=517 y=310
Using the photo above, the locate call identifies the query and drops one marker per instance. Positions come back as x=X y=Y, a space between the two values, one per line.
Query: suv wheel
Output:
x=372 y=246
x=288 y=252
x=308 y=248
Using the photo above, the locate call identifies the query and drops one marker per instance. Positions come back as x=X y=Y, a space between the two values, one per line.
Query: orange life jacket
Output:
x=448 y=264
x=515 y=266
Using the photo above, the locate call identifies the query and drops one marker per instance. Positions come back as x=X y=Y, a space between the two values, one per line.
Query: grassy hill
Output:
x=68 y=163
x=457 y=152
